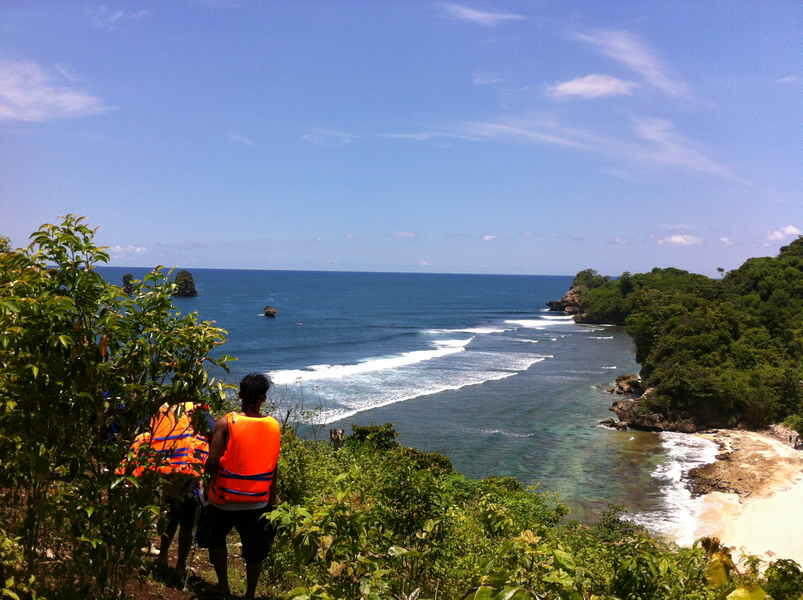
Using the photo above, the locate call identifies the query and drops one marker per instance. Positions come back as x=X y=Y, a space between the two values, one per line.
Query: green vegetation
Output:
x=82 y=368
x=722 y=351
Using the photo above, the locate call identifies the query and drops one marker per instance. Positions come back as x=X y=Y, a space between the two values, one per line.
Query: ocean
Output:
x=471 y=366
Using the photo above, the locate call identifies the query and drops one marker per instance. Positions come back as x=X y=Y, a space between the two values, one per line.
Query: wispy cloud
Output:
x=109 y=19
x=783 y=233
x=425 y=136
x=239 y=138
x=653 y=141
x=488 y=237
x=461 y=12
x=328 y=138
x=629 y=50
x=405 y=235
x=788 y=79
x=671 y=148
x=592 y=86
x=514 y=130
x=727 y=242
x=27 y=93
x=680 y=239
x=618 y=241
x=67 y=73
x=479 y=78
x=129 y=250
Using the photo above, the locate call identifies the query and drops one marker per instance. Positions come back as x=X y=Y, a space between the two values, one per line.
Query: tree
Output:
x=82 y=368
x=5 y=244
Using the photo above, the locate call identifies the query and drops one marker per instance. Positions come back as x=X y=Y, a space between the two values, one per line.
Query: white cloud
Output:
x=130 y=250
x=423 y=262
x=488 y=237
x=479 y=17
x=726 y=241
x=485 y=79
x=108 y=19
x=778 y=235
x=328 y=138
x=788 y=79
x=680 y=239
x=629 y=50
x=405 y=235
x=592 y=86
x=27 y=93
x=239 y=138
x=618 y=241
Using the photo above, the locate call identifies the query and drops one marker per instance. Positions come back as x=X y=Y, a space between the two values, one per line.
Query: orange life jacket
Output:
x=248 y=464
x=178 y=449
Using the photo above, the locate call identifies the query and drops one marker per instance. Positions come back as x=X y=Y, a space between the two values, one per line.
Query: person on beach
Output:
x=242 y=467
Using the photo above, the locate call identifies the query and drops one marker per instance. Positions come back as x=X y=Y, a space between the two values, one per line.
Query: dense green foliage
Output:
x=82 y=369
x=725 y=352
x=373 y=521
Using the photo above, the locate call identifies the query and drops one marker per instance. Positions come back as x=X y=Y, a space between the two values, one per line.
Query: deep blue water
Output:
x=471 y=366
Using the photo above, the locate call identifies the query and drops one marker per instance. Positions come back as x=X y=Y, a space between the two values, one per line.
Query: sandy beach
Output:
x=752 y=495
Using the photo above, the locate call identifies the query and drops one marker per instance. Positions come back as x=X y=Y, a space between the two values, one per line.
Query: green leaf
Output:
x=565 y=560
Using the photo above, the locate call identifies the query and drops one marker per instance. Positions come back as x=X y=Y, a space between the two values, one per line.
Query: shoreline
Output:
x=750 y=496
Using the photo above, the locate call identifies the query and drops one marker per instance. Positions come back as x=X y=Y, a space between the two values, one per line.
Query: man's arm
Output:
x=218 y=446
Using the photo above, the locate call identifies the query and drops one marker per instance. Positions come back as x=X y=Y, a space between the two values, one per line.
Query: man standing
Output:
x=242 y=465
x=172 y=448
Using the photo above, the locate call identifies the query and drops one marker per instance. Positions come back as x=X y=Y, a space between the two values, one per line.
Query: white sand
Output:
x=769 y=521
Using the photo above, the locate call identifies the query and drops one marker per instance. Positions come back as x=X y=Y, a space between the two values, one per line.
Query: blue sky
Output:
x=497 y=137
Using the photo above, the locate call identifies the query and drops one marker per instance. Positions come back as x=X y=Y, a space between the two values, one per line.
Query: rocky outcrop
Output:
x=786 y=435
x=270 y=312
x=185 y=285
x=569 y=303
x=636 y=415
x=628 y=385
x=613 y=424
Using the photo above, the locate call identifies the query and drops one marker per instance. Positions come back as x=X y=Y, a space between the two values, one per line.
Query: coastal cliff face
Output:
x=571 y=302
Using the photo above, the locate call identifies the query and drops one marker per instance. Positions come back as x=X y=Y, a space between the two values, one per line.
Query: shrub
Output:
x=82 y=369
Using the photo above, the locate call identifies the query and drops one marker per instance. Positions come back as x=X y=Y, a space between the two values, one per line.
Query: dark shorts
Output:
x=256 y=532
x=181 y=511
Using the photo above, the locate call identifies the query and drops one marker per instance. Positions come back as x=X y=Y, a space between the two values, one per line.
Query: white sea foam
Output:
x=677 y=517
x=339 y=392
x=316 y=372
x=558 y=317
x=523 y=340
x=600 y=337
x=474 y=330
x=541 y=323
x=504 y=433
x=608 y=367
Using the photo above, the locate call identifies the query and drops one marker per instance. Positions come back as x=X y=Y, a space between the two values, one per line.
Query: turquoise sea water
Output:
x=471 y=366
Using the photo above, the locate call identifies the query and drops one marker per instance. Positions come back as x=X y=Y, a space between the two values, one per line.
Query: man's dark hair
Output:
x=253 y=387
